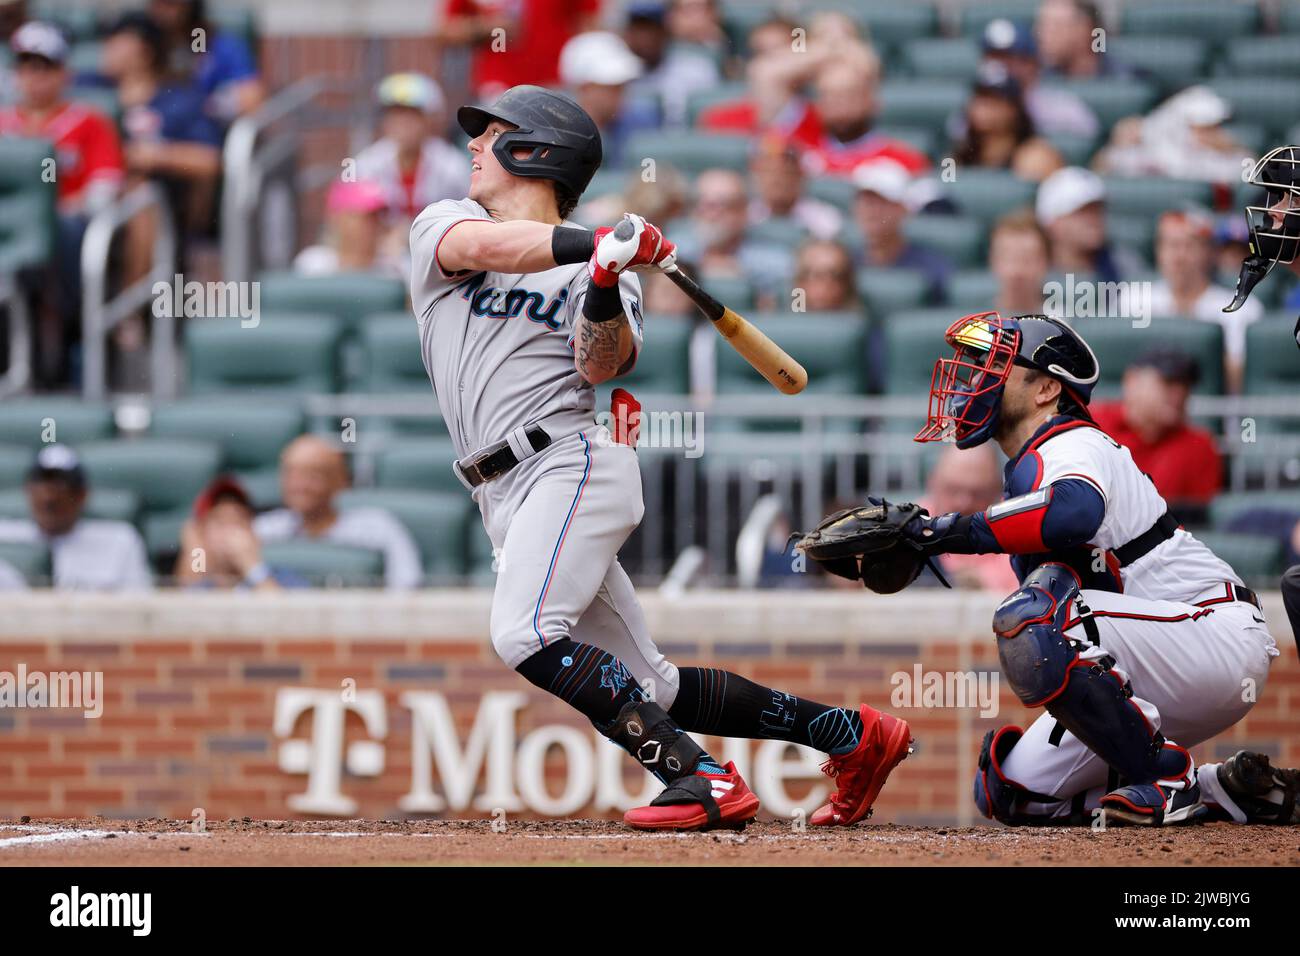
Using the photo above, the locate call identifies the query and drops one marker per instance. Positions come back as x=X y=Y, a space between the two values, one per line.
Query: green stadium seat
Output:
x=326 y=564
x=701 y=100
x=166 y=473
x=14 y=462
x=262 y=485
x=162 y=537
x=250 y=435
x=1118 y=341
x=1229 y=505
x=86 y=57
x=735 y=291
x=976 y=16
x=689 y=151
x=1289 y=18
x=1253 y=137
x=923 y=102
x=282 y=354
x=27 y=195
x=30 y=559
x=779 y=231
x=989 y=194
x=437 y=521
x=832 y=346
x=109 y=504
x=1150 y=196
x=1264 y=101
x=423 y=465
x=663 y=365
x=99 y=99
x=885 y=22
x=950 y=58
x=1111 y=98
x=78 y=22
x=1137 y=233
x=1213 y=20
x=350 y=297
x=837 y=191
x=921 y=138
x=237 y=21
x=972 y=290
x=913 y=340
x=1174 y=62
x=960 y=238
x=35 y=421
x=886 y=291
x=1263 y=56
x=1271 y=367
x=1075 y=150
x=606 y=182
x=1257 y=558
x=393 y=360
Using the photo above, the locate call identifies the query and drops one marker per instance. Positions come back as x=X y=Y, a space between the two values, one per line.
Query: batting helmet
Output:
x=563 y=140
x=1274 y=221
x=966 y=390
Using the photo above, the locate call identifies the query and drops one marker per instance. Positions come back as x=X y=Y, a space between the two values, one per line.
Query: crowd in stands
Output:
x=772 y=147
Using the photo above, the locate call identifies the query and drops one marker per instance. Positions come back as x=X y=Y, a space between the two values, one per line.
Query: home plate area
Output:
x=247 y=842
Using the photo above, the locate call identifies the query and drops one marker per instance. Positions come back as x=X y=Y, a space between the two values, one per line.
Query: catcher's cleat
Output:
x=1263 y=793
x=699 y=801
x=860 y=774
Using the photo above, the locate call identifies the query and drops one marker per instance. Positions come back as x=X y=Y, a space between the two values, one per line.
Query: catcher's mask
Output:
x=966 y=390
x=1275 y=223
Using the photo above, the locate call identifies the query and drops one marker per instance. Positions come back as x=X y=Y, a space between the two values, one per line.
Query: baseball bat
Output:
x=770 y=360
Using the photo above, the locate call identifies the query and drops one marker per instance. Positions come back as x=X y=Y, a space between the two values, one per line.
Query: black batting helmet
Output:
x=563 y=139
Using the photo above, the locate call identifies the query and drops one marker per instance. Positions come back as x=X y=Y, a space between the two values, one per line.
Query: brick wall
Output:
x=191 y=685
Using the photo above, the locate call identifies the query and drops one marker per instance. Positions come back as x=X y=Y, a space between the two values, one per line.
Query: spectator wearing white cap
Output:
x=673 y=69
x=410 y=162
x=597 y=68
x=886 y=195
x=1071 y=206
x=1182 y=138
x=87 y=554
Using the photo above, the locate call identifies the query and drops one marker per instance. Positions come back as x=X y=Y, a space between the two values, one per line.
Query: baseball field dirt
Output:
x=102 y=842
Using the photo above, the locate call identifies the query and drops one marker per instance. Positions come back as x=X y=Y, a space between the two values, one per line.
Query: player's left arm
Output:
x=604 y=340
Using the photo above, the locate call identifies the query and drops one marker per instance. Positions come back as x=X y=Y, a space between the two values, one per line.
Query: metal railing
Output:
x=100 y=313
x=14 y=302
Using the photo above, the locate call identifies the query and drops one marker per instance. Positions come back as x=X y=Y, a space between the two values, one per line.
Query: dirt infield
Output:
x=102 y=842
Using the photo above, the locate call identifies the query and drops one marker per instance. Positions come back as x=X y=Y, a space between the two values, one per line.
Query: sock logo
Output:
x=614 y=676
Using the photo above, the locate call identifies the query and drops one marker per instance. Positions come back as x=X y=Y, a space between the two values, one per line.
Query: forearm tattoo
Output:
x=599 y=346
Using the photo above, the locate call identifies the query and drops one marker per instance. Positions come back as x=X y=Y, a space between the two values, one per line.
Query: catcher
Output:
x=1134 y=637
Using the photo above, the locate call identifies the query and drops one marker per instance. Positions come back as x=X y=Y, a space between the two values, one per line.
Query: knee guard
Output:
x=1087 y=697
x=645 y=730
x=1000 y=798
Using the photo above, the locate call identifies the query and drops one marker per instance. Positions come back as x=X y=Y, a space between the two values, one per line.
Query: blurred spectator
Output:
x=659 y=199
x=410 y=162
x=218 y=548
x=1052 y=109
x=596 y=68
x=880 y=208
x=1071 y=41
x=823 y=269
x=718 y=239
x=89 y=175
x=218 y=64
x=660 y=295
x=778 y=185
x=312 y=473
x=169 y=137
x=1071 y=206
x=769 y=42
x=1184 y=258
x=87 y=554
x=514 y=41
x=999 y=133
x=673 y=69
x=1182 y=138
x=1231 y=246
x=1150 y=419
x=1019 y=253
x=966 y=481
x=354 y=238
x=698 y=22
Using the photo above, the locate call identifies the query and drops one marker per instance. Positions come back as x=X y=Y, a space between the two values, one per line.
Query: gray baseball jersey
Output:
x=499 y=348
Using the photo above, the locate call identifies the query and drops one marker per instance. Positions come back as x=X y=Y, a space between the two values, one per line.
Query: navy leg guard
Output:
x=1003 y=799
x=1086 y=696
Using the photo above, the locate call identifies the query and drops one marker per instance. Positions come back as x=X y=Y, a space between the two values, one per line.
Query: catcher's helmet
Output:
x=564 y=140
x=966 y=390
x=1274 y=222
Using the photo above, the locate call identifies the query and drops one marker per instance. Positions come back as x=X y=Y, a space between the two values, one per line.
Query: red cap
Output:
x=217 y=489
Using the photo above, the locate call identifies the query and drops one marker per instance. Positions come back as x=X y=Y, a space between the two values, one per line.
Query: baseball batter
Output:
x=520 y=314
x=1136 y=639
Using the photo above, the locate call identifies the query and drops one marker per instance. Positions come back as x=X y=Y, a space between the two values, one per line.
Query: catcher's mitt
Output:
x=867 y=544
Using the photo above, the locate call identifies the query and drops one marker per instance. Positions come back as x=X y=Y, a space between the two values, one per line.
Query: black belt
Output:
x=1241 y=594
x=1158 y=533
x=498 y=458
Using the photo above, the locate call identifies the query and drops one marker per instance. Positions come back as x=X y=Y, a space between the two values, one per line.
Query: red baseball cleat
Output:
x=700 y=801
x=860 y=774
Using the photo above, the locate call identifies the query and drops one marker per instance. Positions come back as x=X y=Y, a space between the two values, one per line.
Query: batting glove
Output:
x=633 y=243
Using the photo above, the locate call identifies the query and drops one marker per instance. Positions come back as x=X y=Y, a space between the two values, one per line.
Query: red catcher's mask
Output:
x=966 y=390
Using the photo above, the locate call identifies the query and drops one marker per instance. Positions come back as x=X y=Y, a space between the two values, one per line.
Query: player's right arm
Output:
x=517 y=247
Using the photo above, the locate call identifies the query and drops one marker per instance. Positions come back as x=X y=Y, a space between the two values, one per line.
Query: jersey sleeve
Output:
x=1078 y=455
x=428 y=280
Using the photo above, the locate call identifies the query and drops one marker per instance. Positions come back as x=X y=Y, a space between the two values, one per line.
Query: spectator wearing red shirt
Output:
x=527 y=50
x=1150 y=419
